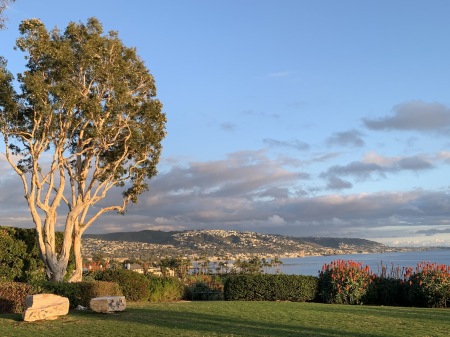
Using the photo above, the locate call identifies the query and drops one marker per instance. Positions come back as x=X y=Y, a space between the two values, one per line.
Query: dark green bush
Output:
x=12 y=296
x=201 y=291
x=386 y=291
x=79 y=293
x=268 y=287
x=165 y=289
x=19 y=255
x=134 y=286
x=204 y=288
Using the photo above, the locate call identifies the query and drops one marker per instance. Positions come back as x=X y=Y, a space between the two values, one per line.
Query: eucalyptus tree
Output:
x=3 y=5
x=85 y=122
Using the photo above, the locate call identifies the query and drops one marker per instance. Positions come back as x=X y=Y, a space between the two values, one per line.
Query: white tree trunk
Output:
x=77 y=275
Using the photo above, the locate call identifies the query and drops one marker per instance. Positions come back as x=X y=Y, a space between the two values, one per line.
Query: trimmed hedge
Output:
x=268 y=287
x=12 y=296
x=79 y=293
x=134 y=286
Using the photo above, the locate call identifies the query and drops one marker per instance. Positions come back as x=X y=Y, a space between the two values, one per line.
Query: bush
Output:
x=429 y=285
x=344 y=282
x=79 y=293
x=134 y=286
x=12 y=296
x=201 y=291
x=204 y=288
x=386 y=291
x=267 y=287
x=165 y=289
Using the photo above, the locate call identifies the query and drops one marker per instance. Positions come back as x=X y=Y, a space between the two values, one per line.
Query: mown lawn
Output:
x=239 y=319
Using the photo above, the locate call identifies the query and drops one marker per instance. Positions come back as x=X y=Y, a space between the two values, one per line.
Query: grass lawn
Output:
x=221 y=318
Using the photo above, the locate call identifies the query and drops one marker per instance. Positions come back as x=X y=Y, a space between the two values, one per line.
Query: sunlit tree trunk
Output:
x=77 y=274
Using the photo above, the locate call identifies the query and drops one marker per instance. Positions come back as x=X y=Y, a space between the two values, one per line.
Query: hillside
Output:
x=221 y=243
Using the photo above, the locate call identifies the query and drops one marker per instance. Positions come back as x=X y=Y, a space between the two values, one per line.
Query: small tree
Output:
x=85 y=122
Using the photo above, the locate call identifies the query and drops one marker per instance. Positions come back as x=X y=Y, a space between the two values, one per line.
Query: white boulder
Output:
x=45 y=306
x=108 y=304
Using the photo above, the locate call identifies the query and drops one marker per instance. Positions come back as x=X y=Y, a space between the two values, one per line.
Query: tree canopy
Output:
x=85 y=121
x=3 y=5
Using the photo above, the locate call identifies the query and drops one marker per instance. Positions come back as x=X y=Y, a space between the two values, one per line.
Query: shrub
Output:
x=204 y=288
x=79 y=293
x=19 y=255
x=134 y=286
x=385 y=291
x=344 y=282
x=201 y=291
x=12 y=296
x=267 y=287
x=165 y=289
x=429 y=285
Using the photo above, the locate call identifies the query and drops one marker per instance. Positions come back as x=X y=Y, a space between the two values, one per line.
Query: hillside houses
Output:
x=218 y=245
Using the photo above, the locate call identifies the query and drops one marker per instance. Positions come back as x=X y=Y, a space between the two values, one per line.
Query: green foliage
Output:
x=165 y=289
x=386 y=291
x=344 y=282
x=200 y=291
x=12 y=296
x=19 y=255
x=79 y=293
x=179 y=265
x=89 y=102
x=429 y=285
x=11 y=262
x=347 y=282
x=134 y=286
x=204 y=288
x=255 y=265
x=268 y=287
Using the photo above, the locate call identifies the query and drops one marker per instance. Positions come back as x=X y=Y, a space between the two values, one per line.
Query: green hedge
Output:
x=134 y=286
x=268 y=287
x=79 y=293
x=12 y=296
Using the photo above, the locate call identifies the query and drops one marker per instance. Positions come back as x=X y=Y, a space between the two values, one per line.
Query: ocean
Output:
x=311 y=265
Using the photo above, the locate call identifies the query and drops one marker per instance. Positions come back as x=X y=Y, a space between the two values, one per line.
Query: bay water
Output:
x=311 y=265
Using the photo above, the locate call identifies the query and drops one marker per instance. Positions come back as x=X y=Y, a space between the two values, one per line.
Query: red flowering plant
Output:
x=344 y=282
x=387 y=286
x=429 y=285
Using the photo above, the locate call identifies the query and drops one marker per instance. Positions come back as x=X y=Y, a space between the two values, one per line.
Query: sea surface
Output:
x=311 y=265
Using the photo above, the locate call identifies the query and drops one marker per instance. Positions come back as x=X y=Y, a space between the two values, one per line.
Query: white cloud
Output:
x=276 y=220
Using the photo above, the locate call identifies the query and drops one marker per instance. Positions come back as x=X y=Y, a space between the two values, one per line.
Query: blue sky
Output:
x=328 y=118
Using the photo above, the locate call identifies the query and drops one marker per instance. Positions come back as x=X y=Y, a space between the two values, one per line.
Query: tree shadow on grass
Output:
x=12 y=317
x=212 y=324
